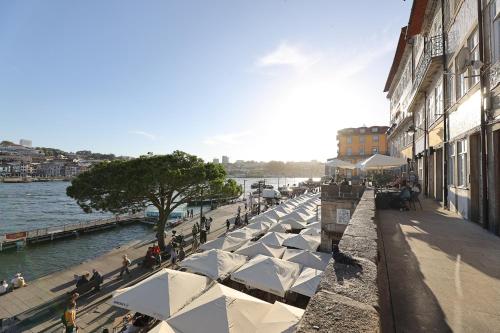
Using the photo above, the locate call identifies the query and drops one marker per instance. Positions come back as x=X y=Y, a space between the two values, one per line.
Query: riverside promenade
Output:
x=443 y=273
x=38 y=304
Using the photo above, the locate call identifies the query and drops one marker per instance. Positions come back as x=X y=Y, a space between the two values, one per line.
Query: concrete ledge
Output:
x=328 y=312
x=347 y=299
x=357 y=283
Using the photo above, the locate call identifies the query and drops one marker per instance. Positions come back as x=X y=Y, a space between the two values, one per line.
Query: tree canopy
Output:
x=164 y=181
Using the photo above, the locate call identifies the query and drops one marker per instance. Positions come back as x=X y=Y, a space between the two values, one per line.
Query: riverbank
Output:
x=42 y=292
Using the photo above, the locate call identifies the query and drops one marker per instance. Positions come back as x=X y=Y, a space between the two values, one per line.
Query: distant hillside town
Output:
x=23 y=161
x=250 y=169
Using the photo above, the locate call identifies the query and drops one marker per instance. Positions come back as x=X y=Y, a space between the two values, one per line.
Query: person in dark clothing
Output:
x=84 y=279
x=246 y=218
x=227 y=225
x=96 y=279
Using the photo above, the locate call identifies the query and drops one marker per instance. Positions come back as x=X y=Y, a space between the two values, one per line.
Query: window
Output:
x=374 y=129
x=349 y=151
x=349 y=139
x=362 y=139
x=462 y=163
x=420 y=167
x=473 y=43
x=495 y=30
x=374 y=150
x=362 y=130
x=451 y=164
x=361 y=150
x=460 y=83
x=438 y=99
x=375 y=138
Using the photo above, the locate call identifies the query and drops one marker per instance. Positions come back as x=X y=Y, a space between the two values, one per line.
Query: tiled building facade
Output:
x=444 y=91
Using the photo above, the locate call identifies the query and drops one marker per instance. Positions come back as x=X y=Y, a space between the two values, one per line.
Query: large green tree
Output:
x=164 y=181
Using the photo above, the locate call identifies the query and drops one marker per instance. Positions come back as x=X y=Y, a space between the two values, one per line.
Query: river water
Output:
x=30 y=206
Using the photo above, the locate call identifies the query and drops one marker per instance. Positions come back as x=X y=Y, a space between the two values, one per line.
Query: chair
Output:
x=414 y=198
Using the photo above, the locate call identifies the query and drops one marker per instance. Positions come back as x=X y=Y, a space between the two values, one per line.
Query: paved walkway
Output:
x=443 y=273
x=93 y=311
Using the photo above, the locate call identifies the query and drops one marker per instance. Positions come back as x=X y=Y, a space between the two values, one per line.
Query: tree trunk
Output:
x=160 y=229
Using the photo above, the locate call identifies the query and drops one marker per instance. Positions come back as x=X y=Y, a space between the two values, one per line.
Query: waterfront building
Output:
x=215 y=161
x=357 y=144
x=443 y=88
x=225 y=159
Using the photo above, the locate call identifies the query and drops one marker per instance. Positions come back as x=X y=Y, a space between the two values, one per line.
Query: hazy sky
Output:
x=249 y=79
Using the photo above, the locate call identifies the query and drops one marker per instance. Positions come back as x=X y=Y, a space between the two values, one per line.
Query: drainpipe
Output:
x=484 y=119
x=426 y=143
x=445 y=120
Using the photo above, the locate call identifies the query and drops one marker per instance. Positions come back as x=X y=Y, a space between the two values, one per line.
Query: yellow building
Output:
x=357 y=144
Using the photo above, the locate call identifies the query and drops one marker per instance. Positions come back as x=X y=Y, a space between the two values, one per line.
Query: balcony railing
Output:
x=433 y=48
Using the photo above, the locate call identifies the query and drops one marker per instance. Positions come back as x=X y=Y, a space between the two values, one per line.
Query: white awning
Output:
x=317 y=260
x=303 y=242
x=263 y=218
x=215 y=264
x=162 y=294
x=273 y=275
x=311 y=231
x=297 y=216
x=162 y=327
x=338 y=163
x=243 y=233
x=226 y=243
x=220 y=310
x=280 y=227
x=282 y=318
x=380 y=162
x=307 y=282
x=274 y=238
x=261 y=227
x=252 y=249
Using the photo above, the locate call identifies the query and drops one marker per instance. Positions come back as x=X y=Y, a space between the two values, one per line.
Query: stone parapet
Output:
x=347 y=299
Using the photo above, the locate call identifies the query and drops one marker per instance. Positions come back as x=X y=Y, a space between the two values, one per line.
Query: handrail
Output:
x=68 y=227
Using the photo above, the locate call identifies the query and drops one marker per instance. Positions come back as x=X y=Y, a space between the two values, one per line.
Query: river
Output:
x=30 y=206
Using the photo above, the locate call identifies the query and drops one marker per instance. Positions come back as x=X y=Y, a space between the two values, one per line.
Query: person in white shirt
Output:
x=18 y=281
x=4 y=287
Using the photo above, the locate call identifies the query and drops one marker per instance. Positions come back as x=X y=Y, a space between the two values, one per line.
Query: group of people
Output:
x=93 y=281
x=176 y=246
x=189 y=213
x=15 y=283
x=153 y=256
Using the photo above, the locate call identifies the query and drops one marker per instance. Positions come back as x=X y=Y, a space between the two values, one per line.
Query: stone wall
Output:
x=347 y=299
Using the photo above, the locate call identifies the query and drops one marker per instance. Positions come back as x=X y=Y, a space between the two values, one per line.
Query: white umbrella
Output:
x=220 y=310
x=311 y=231
x=276 y=215
x=162 y=327
x=273 y=275
x=306 y=211
x=261 y=227
x=298 y=225
x=315 y=225
x=379 y=162
x=162 y=294
x=252 y=249
x=340 y=164
x=317 y=260
x=307 y=282
x=280 y=227
x=304 y=242
x=215 y=264
x=297 y=216
x=243 y=233
x=274 y=238
x=263 y=218
x=281 y=318
x=282 y=209
x=226 y=243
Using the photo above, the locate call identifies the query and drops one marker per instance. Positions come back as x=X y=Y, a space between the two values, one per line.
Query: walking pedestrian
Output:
x=69 y=318
x=173 y=255
x=125 y=264
x=246 y=218
x=239 y=209
x=209 y=224
x=246 y=206
x=227 y=225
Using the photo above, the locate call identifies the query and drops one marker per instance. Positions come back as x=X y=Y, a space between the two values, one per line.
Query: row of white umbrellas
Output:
x=190 y=303
x=374 y=162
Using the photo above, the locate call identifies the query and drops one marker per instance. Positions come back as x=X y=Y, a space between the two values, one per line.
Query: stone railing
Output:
x=347 y=298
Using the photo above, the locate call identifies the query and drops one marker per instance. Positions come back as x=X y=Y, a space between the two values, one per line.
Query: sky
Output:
x=253 y=80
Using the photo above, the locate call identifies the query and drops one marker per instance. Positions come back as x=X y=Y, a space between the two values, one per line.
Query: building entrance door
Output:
x=475 y=169
x=430 y=175
x=495 y=184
